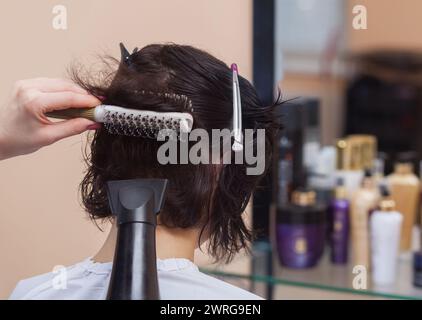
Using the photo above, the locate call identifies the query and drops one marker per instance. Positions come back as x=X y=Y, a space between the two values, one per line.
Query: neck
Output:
x=170 y=243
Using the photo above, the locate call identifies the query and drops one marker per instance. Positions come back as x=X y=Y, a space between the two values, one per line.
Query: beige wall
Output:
x=391 y=24
x=41 y=221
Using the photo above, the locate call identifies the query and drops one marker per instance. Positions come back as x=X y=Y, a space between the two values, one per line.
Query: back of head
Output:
x=207 y=196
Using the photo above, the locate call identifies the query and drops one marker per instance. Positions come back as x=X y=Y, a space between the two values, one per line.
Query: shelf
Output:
x=329 y=277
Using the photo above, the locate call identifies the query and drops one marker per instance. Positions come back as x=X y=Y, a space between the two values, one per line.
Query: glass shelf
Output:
x=329 y=277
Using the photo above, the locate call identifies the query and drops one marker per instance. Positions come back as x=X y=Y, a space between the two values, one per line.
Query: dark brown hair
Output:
x=211 y=197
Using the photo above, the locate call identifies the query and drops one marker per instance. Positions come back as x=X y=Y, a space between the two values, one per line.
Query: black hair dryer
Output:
x=135 y=204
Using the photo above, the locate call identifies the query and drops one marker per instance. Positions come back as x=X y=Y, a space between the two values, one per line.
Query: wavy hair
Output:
x=211 y=197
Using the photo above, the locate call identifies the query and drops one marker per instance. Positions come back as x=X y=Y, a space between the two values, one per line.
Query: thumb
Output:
x=63 y=129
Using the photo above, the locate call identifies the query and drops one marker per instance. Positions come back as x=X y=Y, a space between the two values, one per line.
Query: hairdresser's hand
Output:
x=23 y=126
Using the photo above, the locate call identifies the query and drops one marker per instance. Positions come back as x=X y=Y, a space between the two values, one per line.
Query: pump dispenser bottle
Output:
x=385 y=228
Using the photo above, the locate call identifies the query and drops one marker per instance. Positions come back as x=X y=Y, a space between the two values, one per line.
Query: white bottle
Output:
x=385 y=228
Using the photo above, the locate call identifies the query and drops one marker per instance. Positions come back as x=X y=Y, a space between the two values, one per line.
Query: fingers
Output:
x=64 y=100
x=60 y=130
x=51 y=85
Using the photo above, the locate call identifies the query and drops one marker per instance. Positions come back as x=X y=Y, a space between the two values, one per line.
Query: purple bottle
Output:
x=340 y=225
x=301 y=231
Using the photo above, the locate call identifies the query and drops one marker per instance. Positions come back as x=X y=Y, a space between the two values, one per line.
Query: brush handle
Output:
x=71 y=113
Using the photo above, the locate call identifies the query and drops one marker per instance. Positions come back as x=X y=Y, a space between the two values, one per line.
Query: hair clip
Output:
x=125 y=55
x=237 y=112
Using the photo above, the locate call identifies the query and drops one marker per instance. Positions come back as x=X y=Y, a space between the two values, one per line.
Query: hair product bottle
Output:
x=385 y=227
x=355 y=153
x=417 y=269
x=348 y=165
x=368 y=148
x=417 y=265
x=404 y=186
x=364 y=200
x=340 y=229
x=301 y=231
x=417 y=255
x=285 y=171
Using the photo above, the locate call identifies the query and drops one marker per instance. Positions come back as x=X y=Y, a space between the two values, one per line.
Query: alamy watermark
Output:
x=360 y=18
x=59 y=21
x=360 y=280
x=212 y=150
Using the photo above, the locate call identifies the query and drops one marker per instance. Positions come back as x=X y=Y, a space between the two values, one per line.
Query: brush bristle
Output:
x=177 y=100
x=145 y=124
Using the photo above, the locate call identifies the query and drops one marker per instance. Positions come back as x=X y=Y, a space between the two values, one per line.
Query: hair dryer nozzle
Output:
x=131 y=195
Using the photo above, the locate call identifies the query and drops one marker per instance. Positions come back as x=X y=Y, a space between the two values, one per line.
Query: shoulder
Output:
x=24 y=286
x=81 y=280
x=196 y=285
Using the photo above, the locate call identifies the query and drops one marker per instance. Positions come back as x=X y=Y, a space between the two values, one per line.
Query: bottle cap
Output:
x=303 y=197
x=403 y=168
x=367 y=173
x=386 y=203
x=368 y=181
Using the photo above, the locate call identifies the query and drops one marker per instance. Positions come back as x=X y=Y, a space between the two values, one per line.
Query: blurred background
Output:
x=351 y=70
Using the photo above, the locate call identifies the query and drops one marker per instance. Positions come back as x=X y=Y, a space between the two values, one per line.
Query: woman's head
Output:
x=211 y=197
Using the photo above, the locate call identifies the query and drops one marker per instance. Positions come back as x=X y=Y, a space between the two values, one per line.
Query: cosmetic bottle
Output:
x=368 y=148
x=301 y=231
x=364 y=201
x=340 y=228
x=417 y=269
x=419 y=214
x=385 y=227
x=285 y=171
x=404 y=186
x=354 y=154
x=321 y=179
x=321 y=174
x=349 y=168
x=417 y=265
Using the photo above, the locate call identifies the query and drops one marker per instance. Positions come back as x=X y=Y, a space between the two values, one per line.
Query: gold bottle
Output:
x=405 y=186
x=355 y=153
x=364 y=200
x=368 y=148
